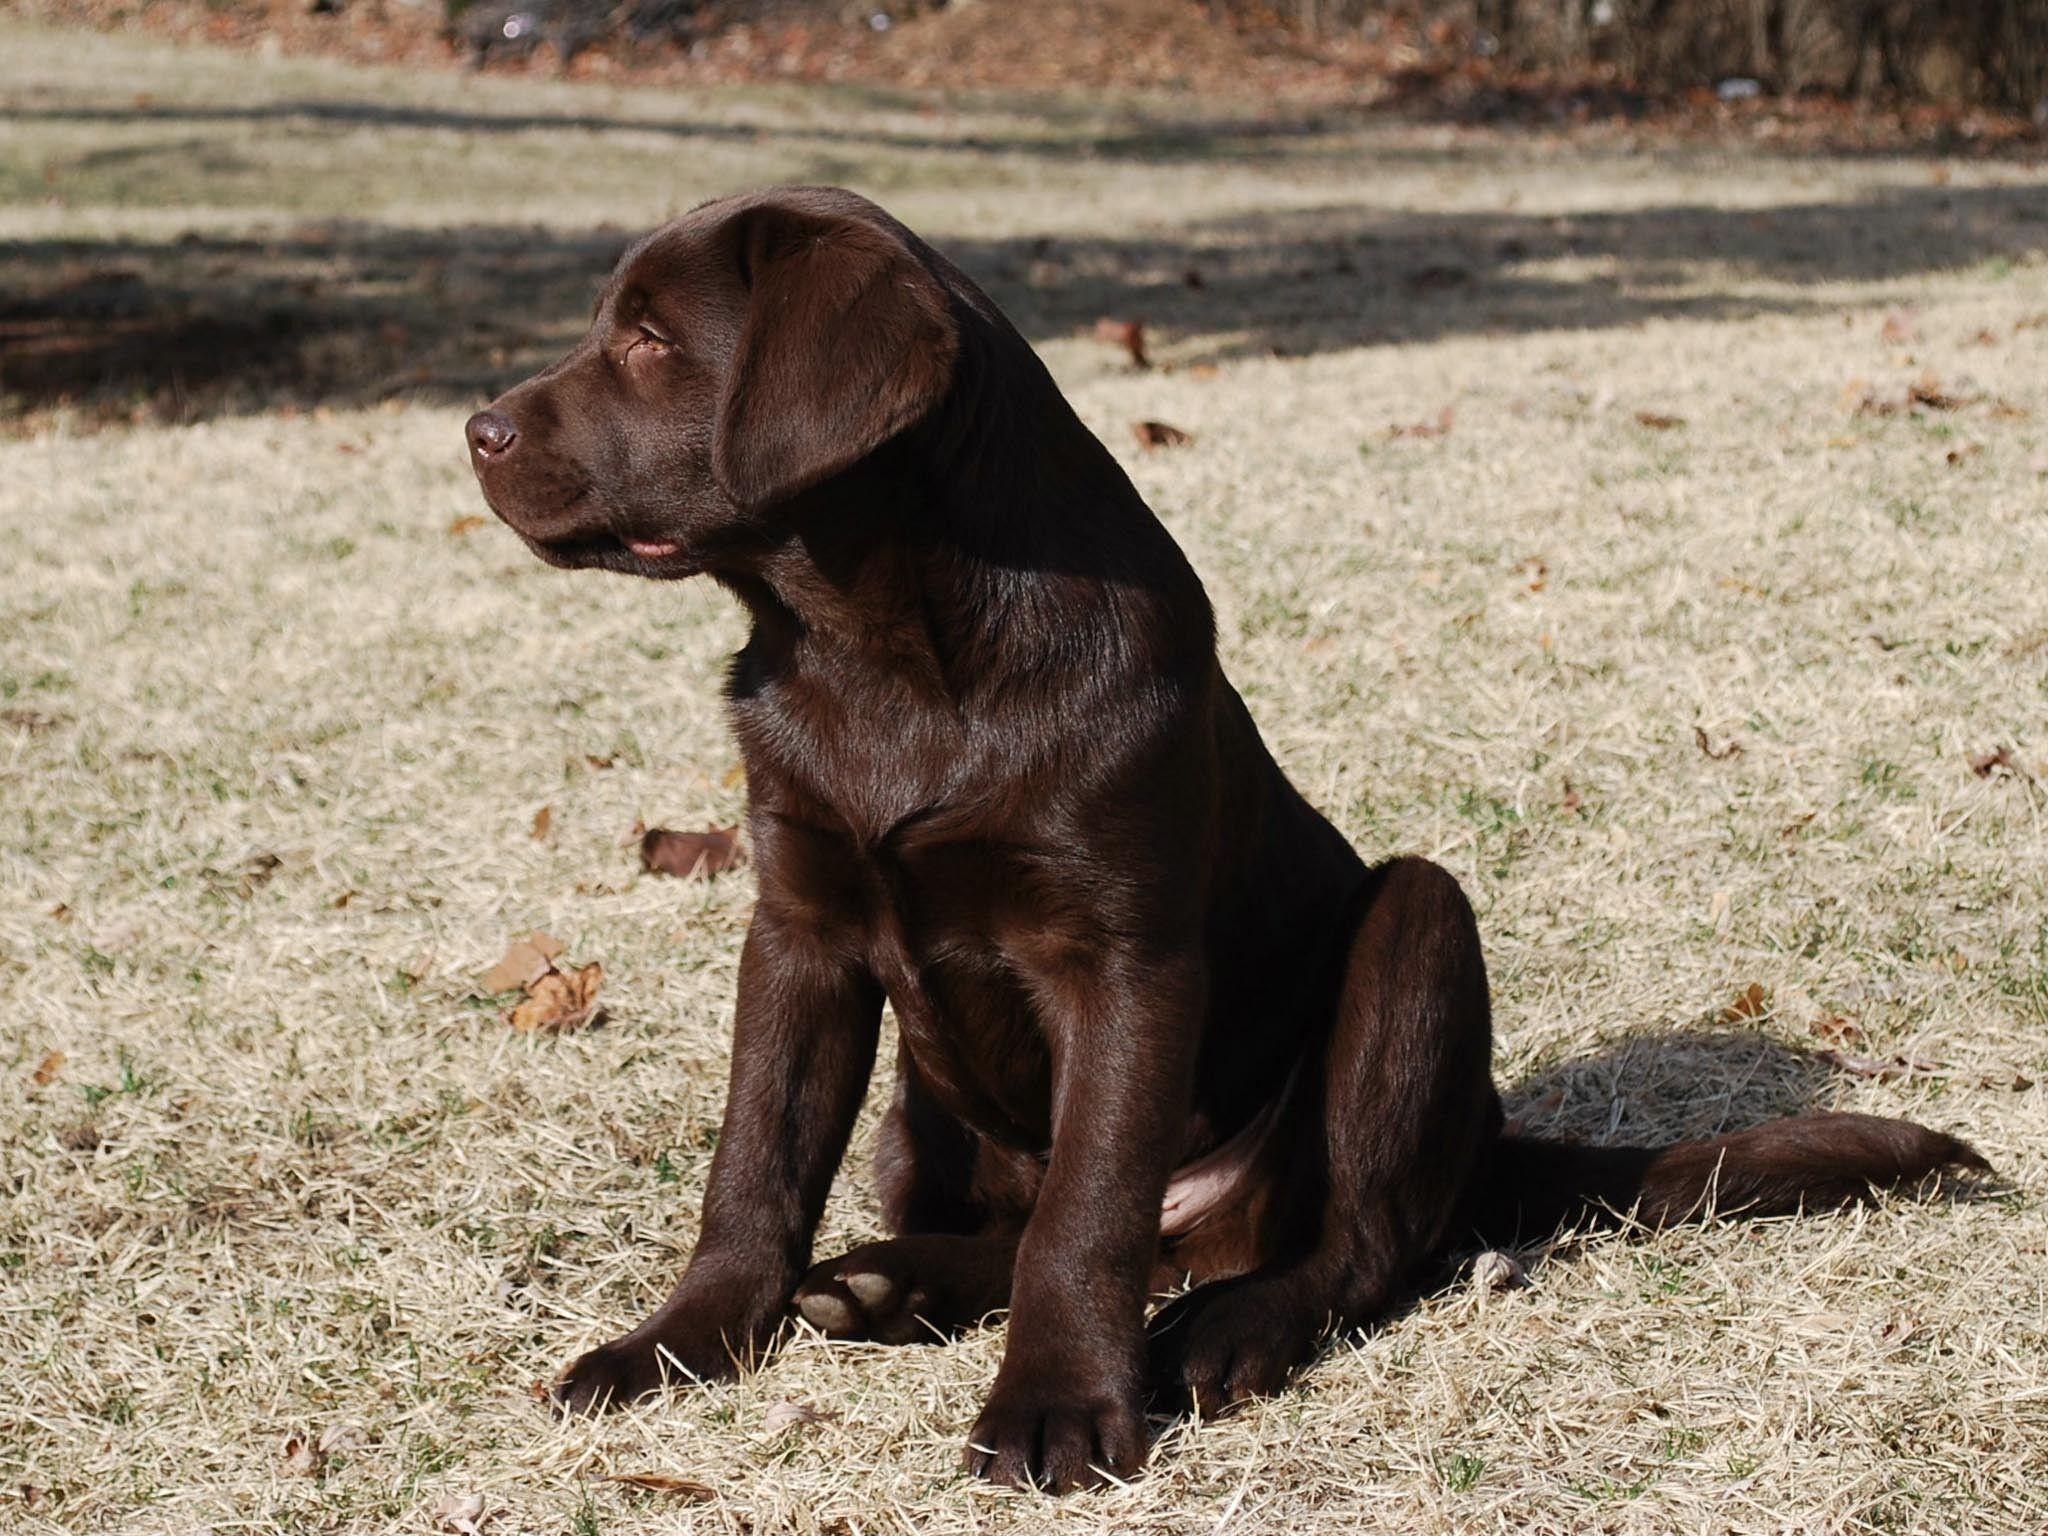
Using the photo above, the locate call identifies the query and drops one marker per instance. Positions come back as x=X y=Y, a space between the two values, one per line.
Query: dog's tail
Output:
x=1532 y=1188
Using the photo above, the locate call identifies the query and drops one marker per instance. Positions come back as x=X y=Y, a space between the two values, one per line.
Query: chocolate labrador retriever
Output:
x=1156 y=1018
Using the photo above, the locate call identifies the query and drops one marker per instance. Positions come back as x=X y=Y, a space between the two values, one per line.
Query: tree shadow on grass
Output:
x=349 y=313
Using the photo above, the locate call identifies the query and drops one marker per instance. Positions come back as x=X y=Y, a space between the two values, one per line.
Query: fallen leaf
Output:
x=1926 y=390
x=560 y=1002
x=47 y=1069
x=665 y=1482
x=469 y=522
x=1898 y=327
x=781 y=1416
x=594 y=761
x=1898 y=1328
x=1571 y=800
x=301 y=1458
x=1657 y=421
x=690 y=855
x=33 y=1497
x=1426 y=429
x=79 y=1136
x=1732 y=749
x=1751 y=1004
x=1157 y=434
x=1883 y=1068
x=1836 y=1030
x=1128 y=334
x=525 y=962
x=459 y=1512
x=543 y=823
x=1998 y=761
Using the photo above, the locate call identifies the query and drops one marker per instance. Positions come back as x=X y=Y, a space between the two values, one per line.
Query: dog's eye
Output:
x=648 y=343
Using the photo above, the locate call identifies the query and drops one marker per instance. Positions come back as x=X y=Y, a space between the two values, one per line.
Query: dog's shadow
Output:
x=1673 y=1085
x=1642 y=1090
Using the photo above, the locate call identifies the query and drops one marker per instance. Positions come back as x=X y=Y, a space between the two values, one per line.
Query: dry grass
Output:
x=293 y=1177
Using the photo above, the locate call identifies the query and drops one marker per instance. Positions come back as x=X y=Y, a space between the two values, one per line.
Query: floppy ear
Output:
x=848 y=340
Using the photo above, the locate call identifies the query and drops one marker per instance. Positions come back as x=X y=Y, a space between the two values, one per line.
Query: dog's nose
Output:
x=491 y=433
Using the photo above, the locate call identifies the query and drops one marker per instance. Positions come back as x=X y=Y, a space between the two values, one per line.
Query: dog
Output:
x=1156 y=1018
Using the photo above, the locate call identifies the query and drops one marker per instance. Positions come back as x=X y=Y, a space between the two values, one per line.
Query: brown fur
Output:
x=1156 y=1016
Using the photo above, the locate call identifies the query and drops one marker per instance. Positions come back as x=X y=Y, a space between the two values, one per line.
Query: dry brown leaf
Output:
x=543 y=823
x=1836 y=1030
x=462 y=1513
x=781 y=1416
x=1926 y=390
x=665 y=1482
x=525 y=962
x=1995 y=762
x=1158 y=434
x=47 y=1069
x=1571 y=801
x=560 y=1002
x=1128 y=334
x=1898 y=1328
x=301 y=1457
x=690 y=855
x=1657 y=421
x=1751 y=1004
x=469 y=522
x=1722 y=754
x=1426 y=429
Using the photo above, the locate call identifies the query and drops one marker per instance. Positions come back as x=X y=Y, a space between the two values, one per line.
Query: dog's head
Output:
x=752 y=350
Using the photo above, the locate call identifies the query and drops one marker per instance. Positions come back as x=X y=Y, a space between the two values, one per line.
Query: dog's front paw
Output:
x=676 y=1346
x=610 y=1376
x=1054 y=1430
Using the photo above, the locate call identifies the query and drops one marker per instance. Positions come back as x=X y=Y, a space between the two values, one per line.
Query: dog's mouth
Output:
x=612 y=552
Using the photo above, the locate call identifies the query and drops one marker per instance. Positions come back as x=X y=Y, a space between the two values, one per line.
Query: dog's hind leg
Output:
x=957 y=1206
x=1399 y=1112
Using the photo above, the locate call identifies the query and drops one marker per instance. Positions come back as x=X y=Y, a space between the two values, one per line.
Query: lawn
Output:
x=1654 y=533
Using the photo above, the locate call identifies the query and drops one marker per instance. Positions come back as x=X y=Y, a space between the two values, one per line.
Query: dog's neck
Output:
x=920 y=559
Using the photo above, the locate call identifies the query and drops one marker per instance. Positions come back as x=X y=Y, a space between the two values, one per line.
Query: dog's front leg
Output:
x=803 y=1047
x=1067 y=1405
